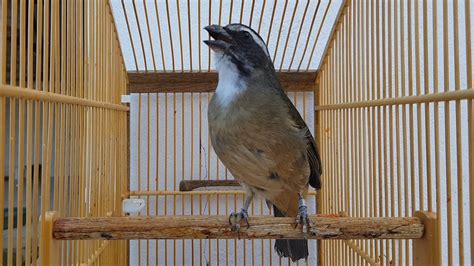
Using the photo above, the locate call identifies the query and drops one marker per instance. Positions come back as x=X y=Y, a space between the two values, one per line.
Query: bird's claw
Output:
x=236 y=217
x=303 y=219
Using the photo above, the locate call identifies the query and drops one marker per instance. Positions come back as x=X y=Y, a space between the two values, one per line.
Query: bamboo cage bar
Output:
x=391 y=100
x=62 y=75
x=361 y=253
x=408 y=77
x=178 y=56
x=210 y=227
x=465 y=94
x=31 y=94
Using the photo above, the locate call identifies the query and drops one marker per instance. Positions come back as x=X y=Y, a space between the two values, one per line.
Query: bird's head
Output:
x=240 y=46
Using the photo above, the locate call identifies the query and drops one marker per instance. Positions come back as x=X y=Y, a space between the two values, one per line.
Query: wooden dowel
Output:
x=195 y=192
x=361 y=253
x=341 y=12
x=465 y=94
x=130 y=35
x=189 y=185
x=424 y=249
x=153 y=82
x=316 y=41
x=217 y=227
x=48 y=246
x=24 y=93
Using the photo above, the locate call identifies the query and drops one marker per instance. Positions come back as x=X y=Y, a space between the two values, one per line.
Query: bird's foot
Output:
x=303 y=219
x=236 y=217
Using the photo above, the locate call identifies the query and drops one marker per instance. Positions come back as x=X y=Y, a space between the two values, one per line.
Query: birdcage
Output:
x=105 y=148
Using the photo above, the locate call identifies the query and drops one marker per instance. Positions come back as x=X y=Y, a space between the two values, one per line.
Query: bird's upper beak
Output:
x=222 y=39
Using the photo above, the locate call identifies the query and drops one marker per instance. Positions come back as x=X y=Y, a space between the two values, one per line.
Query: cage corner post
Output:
x=49 y=254
x=425 y=249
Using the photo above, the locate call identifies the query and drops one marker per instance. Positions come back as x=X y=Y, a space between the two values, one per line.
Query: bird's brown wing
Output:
x=314 y=158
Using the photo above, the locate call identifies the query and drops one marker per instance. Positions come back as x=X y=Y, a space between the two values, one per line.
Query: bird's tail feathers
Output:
x=295 y=249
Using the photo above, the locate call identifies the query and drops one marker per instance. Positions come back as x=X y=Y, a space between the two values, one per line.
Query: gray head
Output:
x=241 y=46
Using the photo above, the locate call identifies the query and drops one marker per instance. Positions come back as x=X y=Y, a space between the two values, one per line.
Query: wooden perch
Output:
x=190 y=185
x=152 y=82
x=217 y=227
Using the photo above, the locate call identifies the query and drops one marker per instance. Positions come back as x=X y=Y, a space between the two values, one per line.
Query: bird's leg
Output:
x=302 y=217
x=236 y=217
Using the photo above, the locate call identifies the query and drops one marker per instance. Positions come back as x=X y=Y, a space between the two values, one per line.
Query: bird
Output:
x=258 y=134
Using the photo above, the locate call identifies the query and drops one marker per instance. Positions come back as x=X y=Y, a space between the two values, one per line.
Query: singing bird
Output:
x=257 y=132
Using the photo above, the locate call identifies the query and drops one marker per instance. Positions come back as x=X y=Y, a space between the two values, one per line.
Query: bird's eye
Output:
x=247 y=35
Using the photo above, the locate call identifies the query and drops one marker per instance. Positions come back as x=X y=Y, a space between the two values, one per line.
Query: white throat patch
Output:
x=230 y=85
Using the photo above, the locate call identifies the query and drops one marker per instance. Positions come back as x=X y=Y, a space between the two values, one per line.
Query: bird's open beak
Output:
x=222 y=39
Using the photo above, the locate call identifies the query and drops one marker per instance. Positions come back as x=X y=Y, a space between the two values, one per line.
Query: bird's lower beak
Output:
x=222 y=39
